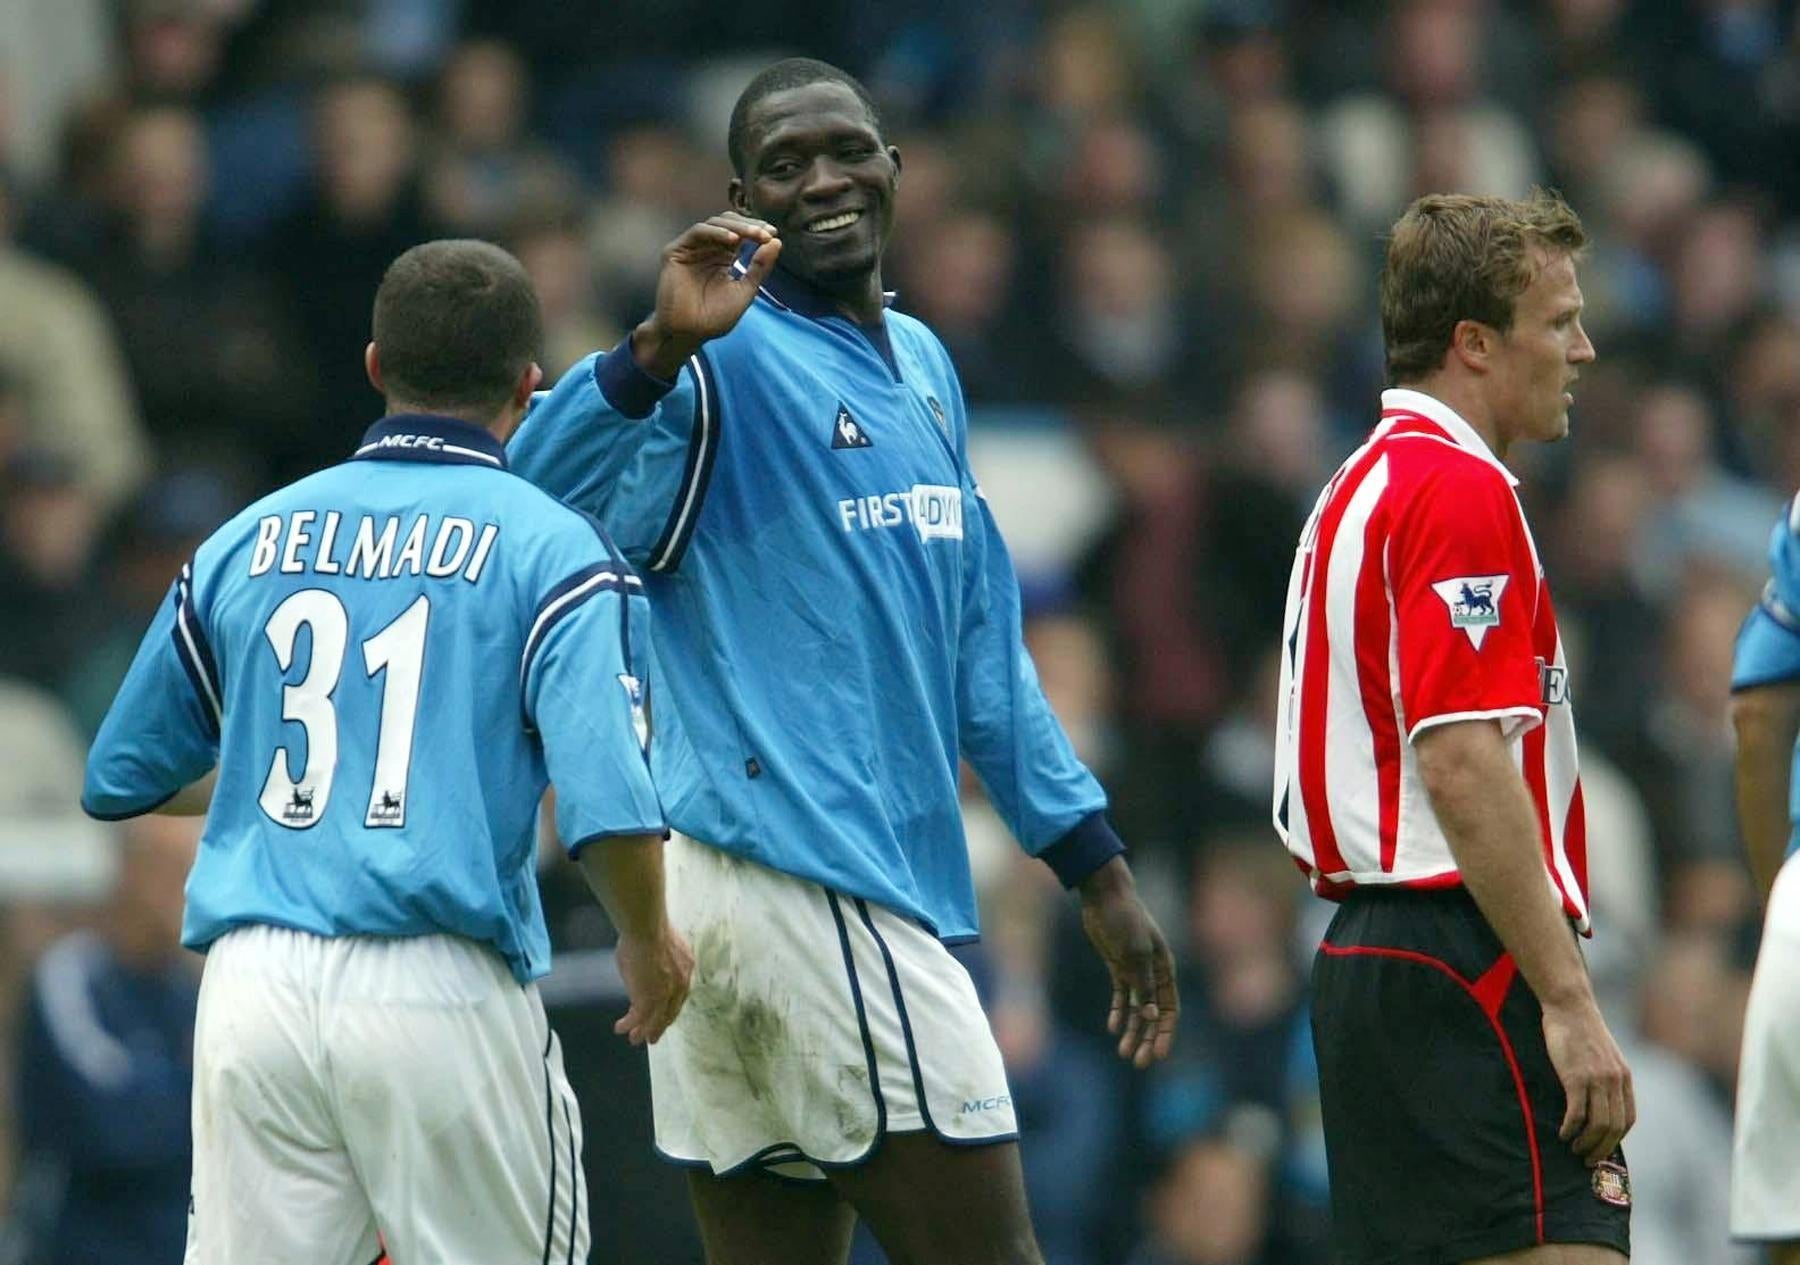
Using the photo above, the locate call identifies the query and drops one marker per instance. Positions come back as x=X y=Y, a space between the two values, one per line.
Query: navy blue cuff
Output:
x=626 y=385
x=1083 y=850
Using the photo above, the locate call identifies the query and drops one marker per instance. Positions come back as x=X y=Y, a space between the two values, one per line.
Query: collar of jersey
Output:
x=1404 y=401
x=791 y=294
x=430 y=437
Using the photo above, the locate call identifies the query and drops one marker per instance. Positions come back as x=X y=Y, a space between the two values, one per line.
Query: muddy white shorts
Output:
x=1765 y=1157
x=817 y=1024
x=411 y=1087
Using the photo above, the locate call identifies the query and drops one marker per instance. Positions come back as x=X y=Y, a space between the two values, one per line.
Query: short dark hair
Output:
x=1457 y=257
x=793 y=72
x=456 y=323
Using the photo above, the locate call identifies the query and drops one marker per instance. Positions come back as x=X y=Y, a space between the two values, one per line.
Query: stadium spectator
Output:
x=652 y=171
x=1699 y=515
x=1690 y=789
x=550 y=243
x=49 y=526
x=362 y=211
x=232 y=396
x=105 y=1066
x=487 y=170
x=62 y=379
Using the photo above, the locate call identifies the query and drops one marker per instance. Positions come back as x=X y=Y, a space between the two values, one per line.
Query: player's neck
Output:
x=1464 y=396
x=865 y=307
x=857 y=297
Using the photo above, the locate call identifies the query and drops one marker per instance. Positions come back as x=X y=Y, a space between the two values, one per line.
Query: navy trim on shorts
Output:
x=574 y=1185
x=912 y=1051
x=906 y=1032
x=550 y=1131
x=862 y=1022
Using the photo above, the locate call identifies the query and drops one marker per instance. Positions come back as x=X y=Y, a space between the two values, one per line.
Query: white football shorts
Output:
x=817 y=1024
x=411 y=1087
x=1765 y=1158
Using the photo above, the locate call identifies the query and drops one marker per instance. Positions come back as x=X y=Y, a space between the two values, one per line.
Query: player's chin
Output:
x=841 y=269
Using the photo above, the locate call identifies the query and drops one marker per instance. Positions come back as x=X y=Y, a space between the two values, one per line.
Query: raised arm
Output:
x=627 y=435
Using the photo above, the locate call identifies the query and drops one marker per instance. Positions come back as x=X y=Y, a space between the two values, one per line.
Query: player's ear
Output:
x=893 y=152
x=738 y=195
x=527 y=383
x=1472 y=343
x=372 y=366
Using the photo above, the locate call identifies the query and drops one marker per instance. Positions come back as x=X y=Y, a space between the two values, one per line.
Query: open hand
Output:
x=657 y=973
x=1145 y=1005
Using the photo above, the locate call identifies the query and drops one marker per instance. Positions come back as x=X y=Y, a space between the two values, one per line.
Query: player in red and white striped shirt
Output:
x=1426 y=778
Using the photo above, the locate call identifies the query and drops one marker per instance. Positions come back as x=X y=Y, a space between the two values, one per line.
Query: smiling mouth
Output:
x=832 y=223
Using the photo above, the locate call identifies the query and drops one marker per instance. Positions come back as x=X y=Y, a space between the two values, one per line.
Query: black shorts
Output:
x=1440 y=1104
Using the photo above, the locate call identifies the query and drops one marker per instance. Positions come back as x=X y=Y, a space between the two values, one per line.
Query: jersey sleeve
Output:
x=1047 y=797
x=586 y=691
x=162 y=731
x=1768 y=646
x=633 y=451
x=1464 y=583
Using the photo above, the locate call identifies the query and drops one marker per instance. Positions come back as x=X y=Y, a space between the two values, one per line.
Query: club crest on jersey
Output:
x=1474 y=602
x=1612 y=1184
x=640 y=716
x=937 y=411
x=847 y=433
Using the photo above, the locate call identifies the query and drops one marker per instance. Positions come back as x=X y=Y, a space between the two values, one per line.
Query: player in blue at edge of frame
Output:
x=1765 y=712
x=837 y=622
x=388 y=661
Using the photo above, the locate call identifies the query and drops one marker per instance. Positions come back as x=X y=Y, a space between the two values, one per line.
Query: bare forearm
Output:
x=626 y=874
x=191 y=800
x=1767 y=720
x=1492 y=828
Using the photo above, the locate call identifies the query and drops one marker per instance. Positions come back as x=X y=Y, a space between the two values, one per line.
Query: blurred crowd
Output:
x=1148 y=232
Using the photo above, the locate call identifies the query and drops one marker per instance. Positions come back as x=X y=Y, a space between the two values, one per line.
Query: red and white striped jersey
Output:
x=1417 y=598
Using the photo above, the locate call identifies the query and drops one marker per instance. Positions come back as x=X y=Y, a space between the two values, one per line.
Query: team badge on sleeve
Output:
x=1474 y=602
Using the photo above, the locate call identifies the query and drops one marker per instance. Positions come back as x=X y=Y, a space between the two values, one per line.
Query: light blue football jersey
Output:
x=389 y=660
x=1768 y=646
x=837 y=617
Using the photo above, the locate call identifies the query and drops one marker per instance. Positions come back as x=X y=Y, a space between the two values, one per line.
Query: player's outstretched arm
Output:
x=1145 y=1004
x=1492 y=828
x=626 y=873
x=699 y=294
x=1767 y=721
